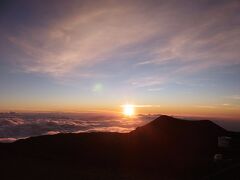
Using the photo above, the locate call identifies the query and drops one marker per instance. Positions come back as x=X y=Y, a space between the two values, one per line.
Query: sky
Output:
x=171 y=57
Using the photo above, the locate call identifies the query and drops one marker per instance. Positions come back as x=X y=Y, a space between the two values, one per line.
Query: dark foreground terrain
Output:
x=166 y=148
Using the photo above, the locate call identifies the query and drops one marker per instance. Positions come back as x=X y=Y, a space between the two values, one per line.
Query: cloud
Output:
x=7 y=140
x=82 y=40
x=144 y=105
x=147 y=106
x=235 y=97
x=149 y=80
x=155 y=89
x=111 y=129
x=206 y=107
x=213 y=37
x=52 y=132
x=84 y=37
x=28 y=125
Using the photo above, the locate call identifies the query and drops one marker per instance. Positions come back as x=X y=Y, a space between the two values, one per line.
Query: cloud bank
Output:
x=13 y=127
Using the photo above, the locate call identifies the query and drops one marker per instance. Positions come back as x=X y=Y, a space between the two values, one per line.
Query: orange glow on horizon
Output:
x=127 y=109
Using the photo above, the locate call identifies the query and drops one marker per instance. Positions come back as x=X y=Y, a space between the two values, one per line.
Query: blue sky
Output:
x=90 y=55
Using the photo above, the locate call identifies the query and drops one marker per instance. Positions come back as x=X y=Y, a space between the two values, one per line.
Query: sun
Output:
x=128 y=109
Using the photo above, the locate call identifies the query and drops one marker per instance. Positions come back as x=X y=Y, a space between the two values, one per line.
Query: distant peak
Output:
x=165 y=117
x=165 y=122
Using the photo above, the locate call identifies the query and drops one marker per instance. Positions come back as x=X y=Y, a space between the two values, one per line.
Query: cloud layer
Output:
x=13 y=127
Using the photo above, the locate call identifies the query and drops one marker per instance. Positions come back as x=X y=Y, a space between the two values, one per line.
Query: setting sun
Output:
x=128 y=110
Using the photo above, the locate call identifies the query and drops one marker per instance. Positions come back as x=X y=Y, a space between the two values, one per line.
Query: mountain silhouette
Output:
x=168 y=124
x=167 y=148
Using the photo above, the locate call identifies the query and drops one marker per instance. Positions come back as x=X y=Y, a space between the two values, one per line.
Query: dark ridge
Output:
x=165 y=148
x=170 y=121
x=167 y=123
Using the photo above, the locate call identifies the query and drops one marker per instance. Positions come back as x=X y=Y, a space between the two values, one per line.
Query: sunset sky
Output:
x=171 y=57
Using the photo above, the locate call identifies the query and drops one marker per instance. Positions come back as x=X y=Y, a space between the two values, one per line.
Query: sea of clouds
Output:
x=15 y=126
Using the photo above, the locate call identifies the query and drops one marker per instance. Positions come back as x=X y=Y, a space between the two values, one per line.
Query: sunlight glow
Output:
x=128 y=110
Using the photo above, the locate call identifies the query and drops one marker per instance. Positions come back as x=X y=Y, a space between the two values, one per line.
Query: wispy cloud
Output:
x=155 y=89
x=147 y=105
x=226 y=104
x=144 y=105
x=140 y=32
x=206 y=107
x=82 y=39
x=235 y=97
x=149 y=81
x=210 y=39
